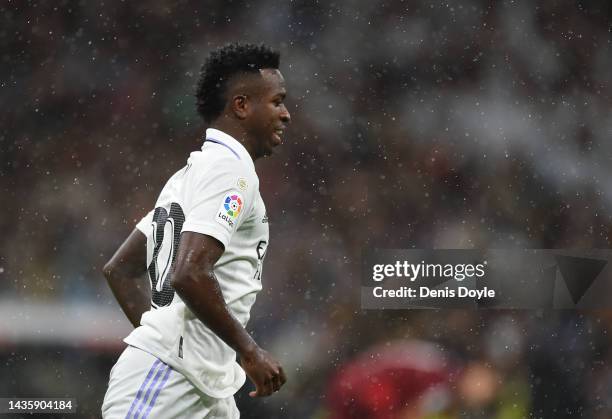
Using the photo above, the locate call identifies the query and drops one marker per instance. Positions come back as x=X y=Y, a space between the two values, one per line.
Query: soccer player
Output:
x=202 y=247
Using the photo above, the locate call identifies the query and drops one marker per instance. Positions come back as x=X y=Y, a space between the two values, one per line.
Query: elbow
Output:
x=177 y=278
x=184 y=280
x=179 y=281
x=109 y=270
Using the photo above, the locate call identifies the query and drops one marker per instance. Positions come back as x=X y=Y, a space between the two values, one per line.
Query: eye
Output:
x=278 y=100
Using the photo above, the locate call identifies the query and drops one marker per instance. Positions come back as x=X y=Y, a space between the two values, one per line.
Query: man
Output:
x=205 y=243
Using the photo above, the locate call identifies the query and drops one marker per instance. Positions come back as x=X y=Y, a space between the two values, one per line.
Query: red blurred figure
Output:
x=389 y=381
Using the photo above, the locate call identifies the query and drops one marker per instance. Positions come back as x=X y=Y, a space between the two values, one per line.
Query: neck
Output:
x=235 y=131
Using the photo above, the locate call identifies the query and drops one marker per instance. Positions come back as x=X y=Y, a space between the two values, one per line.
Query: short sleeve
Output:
x=221 y=197
x=144 y=225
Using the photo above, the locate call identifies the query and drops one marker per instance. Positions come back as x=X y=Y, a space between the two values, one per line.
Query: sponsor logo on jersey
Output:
x=230 y=209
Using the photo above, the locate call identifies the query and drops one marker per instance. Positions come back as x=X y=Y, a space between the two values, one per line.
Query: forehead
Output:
x=269 y=82
x=272 y=75
x=273 y=80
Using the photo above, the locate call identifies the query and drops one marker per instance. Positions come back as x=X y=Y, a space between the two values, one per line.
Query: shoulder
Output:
x=218 y=164
x=222 y=170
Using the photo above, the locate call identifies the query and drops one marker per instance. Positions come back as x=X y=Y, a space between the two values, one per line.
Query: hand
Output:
x=265 y=372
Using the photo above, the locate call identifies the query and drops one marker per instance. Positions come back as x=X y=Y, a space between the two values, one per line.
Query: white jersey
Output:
x=217 y=194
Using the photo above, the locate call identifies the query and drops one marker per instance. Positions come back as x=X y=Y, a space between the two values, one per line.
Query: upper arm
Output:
x=130 y=258
x=197 y=255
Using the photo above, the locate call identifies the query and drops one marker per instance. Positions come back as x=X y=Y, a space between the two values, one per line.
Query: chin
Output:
x=268 y=151
x=265 y=152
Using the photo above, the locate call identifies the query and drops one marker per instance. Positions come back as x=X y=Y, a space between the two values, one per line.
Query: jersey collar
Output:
x=219 y=137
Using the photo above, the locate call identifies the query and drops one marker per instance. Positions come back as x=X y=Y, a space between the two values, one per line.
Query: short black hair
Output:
x=224 y=63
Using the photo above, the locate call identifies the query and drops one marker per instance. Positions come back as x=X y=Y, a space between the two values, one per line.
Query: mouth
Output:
x=277 y=135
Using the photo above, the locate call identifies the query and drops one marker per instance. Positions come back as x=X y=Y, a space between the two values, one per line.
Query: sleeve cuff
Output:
x=144 y=225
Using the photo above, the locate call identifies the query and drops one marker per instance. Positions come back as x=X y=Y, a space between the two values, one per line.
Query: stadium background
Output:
x=459 y=124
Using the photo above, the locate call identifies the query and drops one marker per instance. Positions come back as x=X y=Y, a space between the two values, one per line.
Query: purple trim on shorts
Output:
x=157 y=391
x=223 y=144
x=153 y=383
x=144 y=384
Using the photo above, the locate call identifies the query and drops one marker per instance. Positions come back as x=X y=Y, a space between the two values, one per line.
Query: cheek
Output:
x=273 y=113
x=266 y=115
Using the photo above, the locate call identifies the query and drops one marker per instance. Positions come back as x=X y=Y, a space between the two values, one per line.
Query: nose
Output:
x=285 y=116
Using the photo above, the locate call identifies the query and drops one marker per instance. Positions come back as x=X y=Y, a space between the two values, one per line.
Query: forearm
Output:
x=202 y=294
x=125 y=273
x=132 y=293
x=195 y=282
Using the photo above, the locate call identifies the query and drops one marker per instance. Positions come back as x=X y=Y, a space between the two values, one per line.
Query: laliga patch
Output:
x=230 y=209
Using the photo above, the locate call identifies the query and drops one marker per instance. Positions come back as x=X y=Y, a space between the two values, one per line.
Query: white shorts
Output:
x=141 y=387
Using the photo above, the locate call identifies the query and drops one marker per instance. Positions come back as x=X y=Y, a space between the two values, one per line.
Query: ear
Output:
x=240 y=106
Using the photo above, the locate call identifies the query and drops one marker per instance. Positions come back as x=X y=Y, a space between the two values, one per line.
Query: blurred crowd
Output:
x=416 y=124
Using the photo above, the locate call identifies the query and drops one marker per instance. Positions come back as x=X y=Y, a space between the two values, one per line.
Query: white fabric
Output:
x=220 y=170
x=142 y=387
